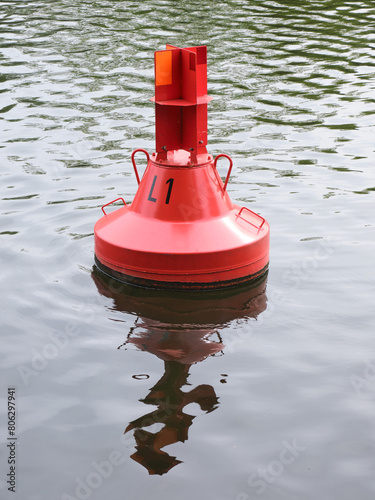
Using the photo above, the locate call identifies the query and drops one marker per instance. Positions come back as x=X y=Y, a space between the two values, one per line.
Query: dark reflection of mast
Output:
x=180 y=329
x=179 y=349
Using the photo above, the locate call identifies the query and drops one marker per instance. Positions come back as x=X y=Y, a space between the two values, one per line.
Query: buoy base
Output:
x=182 y=231
x=178 y=285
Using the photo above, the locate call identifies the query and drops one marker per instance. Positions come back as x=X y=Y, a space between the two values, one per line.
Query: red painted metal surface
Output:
x=182 y=230
x=181 y=100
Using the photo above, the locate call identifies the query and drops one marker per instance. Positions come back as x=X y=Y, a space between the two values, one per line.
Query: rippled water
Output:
x=267 y=395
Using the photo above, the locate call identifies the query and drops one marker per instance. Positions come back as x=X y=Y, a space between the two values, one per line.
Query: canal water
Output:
x=267 y=392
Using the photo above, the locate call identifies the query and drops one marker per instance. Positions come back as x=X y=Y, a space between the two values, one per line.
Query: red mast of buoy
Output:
x=181 y=101
x=181 y=230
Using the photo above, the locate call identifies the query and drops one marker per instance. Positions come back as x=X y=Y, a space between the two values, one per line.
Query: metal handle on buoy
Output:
x=222 y=155
x=253 y=213
x=110 y=203
x=133 y=161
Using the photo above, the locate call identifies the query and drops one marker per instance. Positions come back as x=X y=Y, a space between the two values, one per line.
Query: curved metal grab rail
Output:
x=110 y=203
x=133 y=162
x=222 y=155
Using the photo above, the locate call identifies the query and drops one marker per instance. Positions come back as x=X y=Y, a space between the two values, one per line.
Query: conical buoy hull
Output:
x=182 y=231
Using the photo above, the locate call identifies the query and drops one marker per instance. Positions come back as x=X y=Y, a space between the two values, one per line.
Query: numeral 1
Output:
x=170 y=182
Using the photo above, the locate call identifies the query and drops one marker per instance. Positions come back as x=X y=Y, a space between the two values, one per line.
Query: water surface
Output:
x=266 y=394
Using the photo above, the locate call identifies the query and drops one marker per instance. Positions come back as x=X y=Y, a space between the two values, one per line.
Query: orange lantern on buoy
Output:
x=181 y=231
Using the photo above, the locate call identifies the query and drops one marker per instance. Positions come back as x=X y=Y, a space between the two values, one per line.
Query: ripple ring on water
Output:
x=141 y=376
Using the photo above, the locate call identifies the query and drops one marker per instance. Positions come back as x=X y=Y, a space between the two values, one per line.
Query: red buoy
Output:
x=182 y=230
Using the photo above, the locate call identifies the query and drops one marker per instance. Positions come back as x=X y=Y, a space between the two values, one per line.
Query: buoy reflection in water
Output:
x=181 y=330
